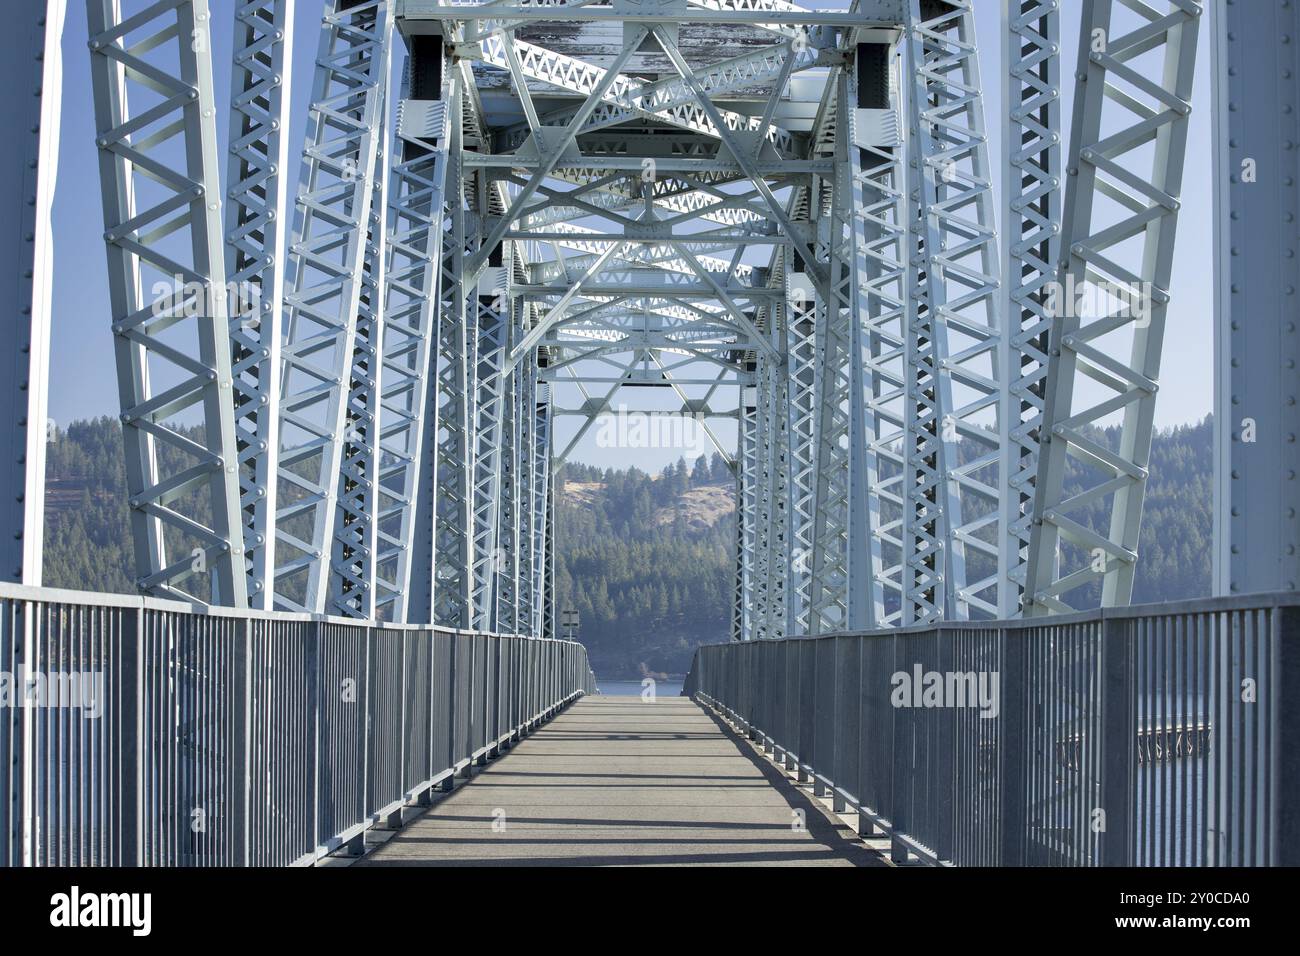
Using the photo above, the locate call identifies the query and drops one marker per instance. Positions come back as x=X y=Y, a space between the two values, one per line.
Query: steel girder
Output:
x=352 y=575
x=543 y=582
x=748 y=481
x=860 y=367
x=533 y=455
x=1257 y=350
x=326 y=282
x=838 y=395
x=801 y=356
x=1031 y=236
x=525 y=487
x=33 y=61
x=778 y=16
x=168 y=294
x=454 y=479
x=491 y=330
x=776 y=533
x=1127 y=146
x=767 y=460
x=963 y=373
x=671 y=101
x=555 y=146
x=924 y=528
x=418 y=218
x=256 y=211
x=511 y=489
x=550 y=608
x=700 y=195
x=880 y=210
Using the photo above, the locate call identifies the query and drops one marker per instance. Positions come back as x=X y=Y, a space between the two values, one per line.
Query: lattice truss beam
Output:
x=1127 y=144
x=255 y=212
x=328 y=373
x=960 y=361
x=155 y=118
x=1031 y=235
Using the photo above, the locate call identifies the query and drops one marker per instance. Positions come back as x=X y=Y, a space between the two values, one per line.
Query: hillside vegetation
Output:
x=645 y=560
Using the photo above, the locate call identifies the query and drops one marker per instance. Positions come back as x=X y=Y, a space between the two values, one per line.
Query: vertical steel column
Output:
x=527 y=505
x=801 y=356
x=550 y=608
x=738 y=583
x=845 y=591
x=1127 y=144
x=408 y=427
x=762 y=498
x=747 y=480
x=543 y=579
x=180 y=492
x=256 y=211
x=777 y=536
x=968 y=336
x=510 y=481
x=879 y=222
x=33 y=61
x=352 y=578
x=492 y=332
x=924 y=532
x=454 y=475
x=1257 y=348
x=1031 y=236
x=324 y=295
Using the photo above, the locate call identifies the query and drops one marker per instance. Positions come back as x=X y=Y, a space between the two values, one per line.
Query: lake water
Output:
x=632 y=688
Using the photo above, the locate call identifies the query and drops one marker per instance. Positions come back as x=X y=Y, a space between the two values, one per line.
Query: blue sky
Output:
x=82 y=379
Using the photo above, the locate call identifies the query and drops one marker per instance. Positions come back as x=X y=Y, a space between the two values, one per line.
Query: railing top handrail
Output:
x=1256 y=601
x=26 y=592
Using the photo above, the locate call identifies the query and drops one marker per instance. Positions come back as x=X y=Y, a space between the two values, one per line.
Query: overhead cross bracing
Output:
x=651 y=273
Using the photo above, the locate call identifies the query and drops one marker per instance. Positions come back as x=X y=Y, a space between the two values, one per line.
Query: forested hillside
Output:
x=645 y=560
x=647 y=563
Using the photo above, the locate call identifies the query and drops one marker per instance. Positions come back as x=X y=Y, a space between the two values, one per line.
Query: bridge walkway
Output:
x=622 y=781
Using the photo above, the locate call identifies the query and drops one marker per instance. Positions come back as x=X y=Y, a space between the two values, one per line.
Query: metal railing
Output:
x=1145 y=736
x=143 y=732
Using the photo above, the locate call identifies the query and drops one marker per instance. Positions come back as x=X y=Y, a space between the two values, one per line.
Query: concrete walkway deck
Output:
x=620 y=781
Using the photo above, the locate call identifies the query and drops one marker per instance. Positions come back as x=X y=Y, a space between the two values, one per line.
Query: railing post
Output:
x=1286 y=753
x=901 y=752
x=449 y=782
x=401 y=727
x=1118 y=739
x=807 y=706
x=1012 y=734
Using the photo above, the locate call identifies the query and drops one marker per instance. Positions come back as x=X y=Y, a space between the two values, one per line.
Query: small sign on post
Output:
x=569 y=621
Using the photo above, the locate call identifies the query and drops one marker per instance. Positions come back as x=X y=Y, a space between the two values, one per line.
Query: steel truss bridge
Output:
x=348 y=384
